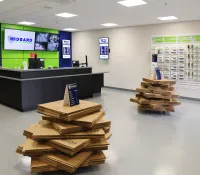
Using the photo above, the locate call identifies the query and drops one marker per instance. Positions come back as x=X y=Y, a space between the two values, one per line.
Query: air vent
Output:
x=62 y=1
x=48 y=7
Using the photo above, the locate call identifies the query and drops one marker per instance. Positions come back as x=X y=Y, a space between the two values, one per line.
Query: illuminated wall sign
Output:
x=66 y=49
x=18 y=40
x=104 y=48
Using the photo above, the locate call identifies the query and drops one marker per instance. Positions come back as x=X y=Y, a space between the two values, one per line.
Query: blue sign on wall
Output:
x=63 y=62
x=104 y=48
x=66 y=49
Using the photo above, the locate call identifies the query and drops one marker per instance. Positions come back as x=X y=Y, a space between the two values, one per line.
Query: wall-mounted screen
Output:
x=53 y=42
x=104 y=48
x=41 y=46
x=18 y=40
x=41 y=37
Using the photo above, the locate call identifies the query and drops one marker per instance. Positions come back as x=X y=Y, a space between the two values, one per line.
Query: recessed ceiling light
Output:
x=167 y=18
x=109 y=24
x=131 y=3
x=1 y=0
x=66 y=15
x=70 y=29
x=26 y=23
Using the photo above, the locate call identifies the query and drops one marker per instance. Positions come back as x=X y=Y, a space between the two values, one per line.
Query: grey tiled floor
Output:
x=142 y=144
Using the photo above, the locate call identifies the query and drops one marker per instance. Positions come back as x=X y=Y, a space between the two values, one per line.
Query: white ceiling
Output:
x=93 y=13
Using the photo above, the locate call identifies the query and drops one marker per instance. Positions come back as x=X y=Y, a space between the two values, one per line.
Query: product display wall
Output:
x=178 y=58
x=15 y=58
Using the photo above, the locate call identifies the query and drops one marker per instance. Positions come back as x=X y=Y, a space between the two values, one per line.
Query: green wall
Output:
x=13 y=59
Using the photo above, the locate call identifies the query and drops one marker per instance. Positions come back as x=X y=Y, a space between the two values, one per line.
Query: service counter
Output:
x=25 y=89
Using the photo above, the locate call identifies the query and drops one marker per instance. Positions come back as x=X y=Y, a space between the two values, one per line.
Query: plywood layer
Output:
x=67 y=138
x=156 y=95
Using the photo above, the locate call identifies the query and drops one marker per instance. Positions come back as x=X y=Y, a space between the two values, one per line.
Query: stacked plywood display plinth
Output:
x=156 y=95
x=67 y=138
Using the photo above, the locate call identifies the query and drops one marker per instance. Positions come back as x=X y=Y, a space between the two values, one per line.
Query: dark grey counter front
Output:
x=24 y=90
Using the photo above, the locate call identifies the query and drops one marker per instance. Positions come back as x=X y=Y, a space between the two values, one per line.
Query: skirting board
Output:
x=130 y=90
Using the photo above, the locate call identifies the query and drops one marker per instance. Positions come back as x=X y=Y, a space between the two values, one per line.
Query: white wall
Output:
x=130 y=50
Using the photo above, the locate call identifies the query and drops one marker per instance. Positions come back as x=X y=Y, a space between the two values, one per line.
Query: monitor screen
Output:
x=53 y=42
x=104 y=48
x=39 y=63
x=41 y=46
x=18 y=40
x=41 y=37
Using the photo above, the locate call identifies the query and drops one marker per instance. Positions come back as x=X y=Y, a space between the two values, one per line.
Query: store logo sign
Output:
x=103 y=40
x=66 y=42
x=13 y=39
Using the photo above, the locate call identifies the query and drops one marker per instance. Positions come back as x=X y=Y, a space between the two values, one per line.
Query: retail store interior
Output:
x=99 y=87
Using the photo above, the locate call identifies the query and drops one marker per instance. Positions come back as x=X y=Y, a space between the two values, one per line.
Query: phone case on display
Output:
x=166 y=58
x=187 y=73
x=181 y=67
x=160 y=65
x=173 y=67
x=189 y=65
x=195 y=65
x=166 y=48
x=191 y=74
x=181 y=51
x=154 y=58
x=173 y=58
x=181 y=76
x=195 y=60
x=174 y=75
x=166 y=66
x=195 y=75
x=181 y=58
x=173 y=50
x=195 y=68
x=166 y=75
x=160 y=55
x=160 y=59
x=166 y=52
x=160 y=51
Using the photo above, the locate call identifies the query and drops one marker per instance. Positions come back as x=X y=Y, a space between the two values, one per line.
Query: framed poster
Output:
x=104 y=48
x=66 y=49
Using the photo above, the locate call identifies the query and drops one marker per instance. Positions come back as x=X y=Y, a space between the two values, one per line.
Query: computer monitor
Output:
x=39 y=63
x=36 y=63
x=76 y=63
x=31 y=63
